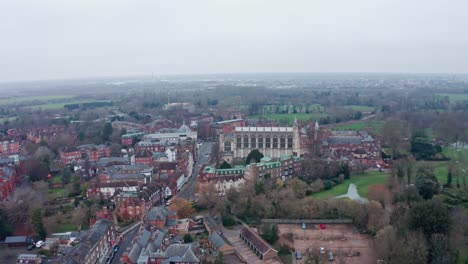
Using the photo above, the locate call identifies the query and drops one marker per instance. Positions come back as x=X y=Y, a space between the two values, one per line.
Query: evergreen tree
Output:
x=38 y=224
x=449 y=179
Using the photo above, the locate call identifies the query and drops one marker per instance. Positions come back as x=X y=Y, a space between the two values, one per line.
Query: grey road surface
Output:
x=204 y=153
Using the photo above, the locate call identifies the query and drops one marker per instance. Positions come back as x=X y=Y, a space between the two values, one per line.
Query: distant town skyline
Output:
x=66 y=40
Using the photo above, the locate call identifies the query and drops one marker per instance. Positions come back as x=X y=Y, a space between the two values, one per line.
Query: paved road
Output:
x=124 y=244
x=188 y=190
x=353 y=194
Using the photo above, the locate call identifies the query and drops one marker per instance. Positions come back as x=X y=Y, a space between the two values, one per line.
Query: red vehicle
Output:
x=322 y=226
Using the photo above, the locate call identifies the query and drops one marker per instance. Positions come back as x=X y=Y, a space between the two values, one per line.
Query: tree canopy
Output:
x=255 y=156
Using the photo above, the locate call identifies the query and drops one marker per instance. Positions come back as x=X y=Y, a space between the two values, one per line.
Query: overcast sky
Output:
x=70 y=39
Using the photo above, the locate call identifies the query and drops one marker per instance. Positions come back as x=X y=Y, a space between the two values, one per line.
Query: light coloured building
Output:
x=172 y=135
x=270 y=141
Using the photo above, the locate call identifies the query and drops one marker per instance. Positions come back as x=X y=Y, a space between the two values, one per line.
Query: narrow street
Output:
x=204 y=153
x=124 y=244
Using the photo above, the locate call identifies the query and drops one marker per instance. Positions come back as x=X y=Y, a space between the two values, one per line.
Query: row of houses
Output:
x=91 y=152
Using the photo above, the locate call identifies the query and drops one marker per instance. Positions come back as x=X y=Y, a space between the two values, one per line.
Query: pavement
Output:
x=188 y=190
x=125 y=243
x=353 y=194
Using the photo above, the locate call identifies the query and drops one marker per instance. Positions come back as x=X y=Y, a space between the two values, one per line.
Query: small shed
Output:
x=16 y=241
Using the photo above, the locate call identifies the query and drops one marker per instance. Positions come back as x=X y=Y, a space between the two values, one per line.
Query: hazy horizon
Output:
x=56 y=40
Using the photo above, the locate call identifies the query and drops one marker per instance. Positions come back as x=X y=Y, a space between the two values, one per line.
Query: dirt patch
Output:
x=345 y=241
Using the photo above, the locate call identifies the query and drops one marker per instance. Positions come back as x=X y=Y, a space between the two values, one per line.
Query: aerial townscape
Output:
x=226 y=132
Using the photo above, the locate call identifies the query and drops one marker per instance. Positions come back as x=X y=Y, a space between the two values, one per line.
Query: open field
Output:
x=301 y=108
x=376 y=125
x=341 y=239
x=289 y=118
x=362 y=181
x=23 y=99
x=4 y=119
x=53 y=106
x=453 y=97
x=362 y=108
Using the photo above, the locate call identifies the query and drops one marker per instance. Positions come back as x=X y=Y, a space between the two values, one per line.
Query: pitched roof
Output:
x=260 y=244
x=217 y=240
x=180 y=253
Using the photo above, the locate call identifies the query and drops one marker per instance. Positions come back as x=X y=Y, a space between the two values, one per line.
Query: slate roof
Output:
x=217 y=240
x=256 y=240
x=15 y=239
x=157 y=213
x=342 y=140
x=180 y=253
x=144 y=238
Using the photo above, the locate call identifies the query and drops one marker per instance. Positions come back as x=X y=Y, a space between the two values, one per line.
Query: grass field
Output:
x=289 y=118
x=14 y=100
x=301 y=108
x=362 y=108
x=4 y=119
x=377 y=125
x=455 y=97
x=53 y=106
x=362 y=181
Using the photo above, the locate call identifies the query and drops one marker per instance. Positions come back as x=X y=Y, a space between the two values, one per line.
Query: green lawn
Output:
x=66 y=226
x=53 y=106
x=440 y=168
x=377 y=125
x=362 y=181
x=289 y=118
x=362 y=108
x=59 y=192
x=14 y=100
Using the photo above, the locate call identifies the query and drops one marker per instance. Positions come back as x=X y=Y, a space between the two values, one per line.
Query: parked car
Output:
x=322 y=250
x=303 y=226
x=116 y=248
x=30 y=247
x=298 y=255
x=323 y=226
x=330 y=256
x=39 y=243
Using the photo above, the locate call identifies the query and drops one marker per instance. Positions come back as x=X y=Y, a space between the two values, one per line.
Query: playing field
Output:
x=289 y=118
x=53 y=106
x=376 y=125
x=453 y=97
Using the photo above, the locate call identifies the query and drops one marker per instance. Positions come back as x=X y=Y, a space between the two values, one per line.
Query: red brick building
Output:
x=94 y=152
x=161 y=217
x=144 y=156
x=9 y=147
x=7 y=181
x=70 y=155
